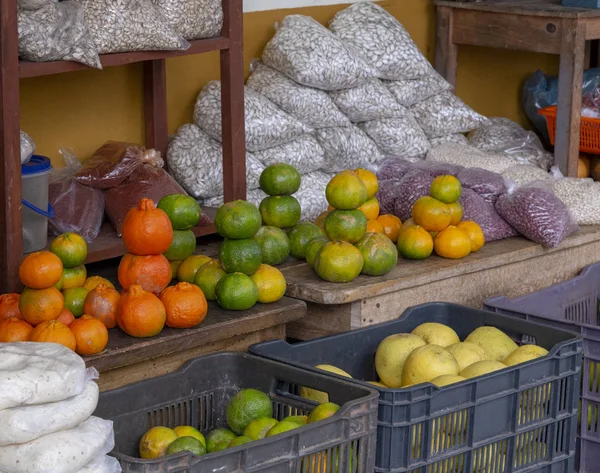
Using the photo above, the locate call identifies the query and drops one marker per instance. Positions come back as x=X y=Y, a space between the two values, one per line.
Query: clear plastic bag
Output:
x=67 y=451
x=487 y=184
x=27 y=147
x=484 y=214
x=102 y=464
x=537 y=214
x=347 y=148
x=33 y=4
x=386 y=195
x=458 y=138
x=56 y=32
x=313 y=107
x=392 y=168
x=398 y=137
x=308 y=53
x=445 y=114
x=438 y=169
x=413 y=185
x=114 y=162
x=382 y=40
x=266 y=124
x=77 y=208
x=37 y=373
x=581 y=196
x=369 y=101
x=412 y=91
x=470 y=157
x=193 y=19
x=523 y=174
x=304 y=153
x=26 y=423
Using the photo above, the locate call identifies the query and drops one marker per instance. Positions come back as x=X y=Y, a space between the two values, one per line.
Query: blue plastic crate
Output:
x=523 y=418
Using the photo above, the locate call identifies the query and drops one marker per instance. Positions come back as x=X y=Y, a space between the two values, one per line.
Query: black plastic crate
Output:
x=198 y=394
x=571 y=305
x=523 y=418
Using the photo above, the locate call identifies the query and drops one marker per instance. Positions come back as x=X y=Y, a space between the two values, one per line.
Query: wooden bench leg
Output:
x=572 y=58
x=446 y=52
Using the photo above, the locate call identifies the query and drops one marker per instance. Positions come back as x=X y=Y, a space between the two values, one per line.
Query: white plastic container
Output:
x=36 y=209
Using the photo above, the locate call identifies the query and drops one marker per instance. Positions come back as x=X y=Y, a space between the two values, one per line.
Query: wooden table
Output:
x=511 y=267
x=525 y=25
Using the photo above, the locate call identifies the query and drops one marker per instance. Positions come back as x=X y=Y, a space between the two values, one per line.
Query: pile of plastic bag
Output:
x=47 y=398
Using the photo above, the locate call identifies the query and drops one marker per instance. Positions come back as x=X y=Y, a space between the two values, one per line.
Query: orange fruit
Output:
x=185 y=305
x=431 y=214
x=456 y=213
x=391 y=226
x=93 y=281
x=13 y=329
x=40 y=270
x=91 y=335
x=147 y=230
x=74 y=277
x=41 y=305
x=70 y=248
x=186 y=272
x=9 y=306
x=346 y=191
x=174 y=267
x=101 y=303
x=65 y=317
x=369 y=180
x=140 y=313
x=152 y=272
x=446 y=189
x=370 y=208
x=379 y=254
x=414 y=242
x=475 y=234
x=321 y=218
x=453 y=243
x=374 y=226
x=52 y=331
x=345 y=225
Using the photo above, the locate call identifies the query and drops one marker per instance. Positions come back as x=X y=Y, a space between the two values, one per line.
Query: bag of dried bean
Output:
x=484 y=214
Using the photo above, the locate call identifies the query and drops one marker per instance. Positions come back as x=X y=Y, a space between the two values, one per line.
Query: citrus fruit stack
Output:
x=184 y=213
x=246 y=280
x=437 y=225
x=71 y=249
x=282 y=210
x=249 y=416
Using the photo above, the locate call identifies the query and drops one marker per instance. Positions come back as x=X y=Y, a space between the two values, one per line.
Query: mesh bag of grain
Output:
x=397 y=137
x=304 y=153
x=484 y=214
x=347 y=148
x=581 y=196
x=455 y=138
x=470 y=157
x=409 y=92
x=193 y=19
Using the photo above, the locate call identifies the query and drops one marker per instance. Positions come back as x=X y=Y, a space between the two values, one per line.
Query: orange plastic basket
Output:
x=589 y=136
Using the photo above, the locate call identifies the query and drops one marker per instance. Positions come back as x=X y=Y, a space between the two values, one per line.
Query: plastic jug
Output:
x=36 y=209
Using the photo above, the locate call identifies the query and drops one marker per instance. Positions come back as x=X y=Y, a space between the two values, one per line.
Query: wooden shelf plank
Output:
x=36 y=69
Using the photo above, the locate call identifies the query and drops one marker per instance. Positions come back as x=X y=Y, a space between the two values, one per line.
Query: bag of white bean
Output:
x=33 y=4
x=476 y=208
x=266 y=124
x=487 y=184
x=196 y=162
x=470 y=157
x=193 y=19
x=102 y=464
x=304 y=153
x=119 y=26
x=581 y=196
x=523 y=174
x=56 y=32
x=383 y=41
x=67 y=451
x=347 y=148
x=537 y=214
x=307 y=52
x=397 y=137
x=455 y=138
x=445 y=114
x=313 y=107
x=369 y=101
x=408 y=92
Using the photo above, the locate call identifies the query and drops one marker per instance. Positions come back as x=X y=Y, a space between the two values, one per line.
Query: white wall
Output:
x=260 y=5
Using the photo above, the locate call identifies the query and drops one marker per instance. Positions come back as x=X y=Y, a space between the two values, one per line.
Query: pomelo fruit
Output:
x=433 y=333
x=320 y=396
x=466 y=353
x=427 y=363
x=482 y=367
x=391 y=355
x=323 y=411
x=496 y=344
x=446 y=379
x=524 y=353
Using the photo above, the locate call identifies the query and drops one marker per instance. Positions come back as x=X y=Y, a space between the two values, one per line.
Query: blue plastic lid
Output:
x=36 y=165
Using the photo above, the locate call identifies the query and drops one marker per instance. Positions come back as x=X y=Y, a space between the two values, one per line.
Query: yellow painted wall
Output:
x=82 y=110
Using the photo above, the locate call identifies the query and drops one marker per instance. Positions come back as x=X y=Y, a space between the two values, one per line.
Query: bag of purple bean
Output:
x=393 y=168
x=487 y=184
x=483 y=213
x=537 y=214
x=413 y=185
x=386 y=195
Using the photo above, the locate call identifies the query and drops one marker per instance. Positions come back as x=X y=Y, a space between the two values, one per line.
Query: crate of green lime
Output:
x=236 y=412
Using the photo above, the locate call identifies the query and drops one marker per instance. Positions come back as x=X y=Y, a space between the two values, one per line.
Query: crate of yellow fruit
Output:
x=460 y=390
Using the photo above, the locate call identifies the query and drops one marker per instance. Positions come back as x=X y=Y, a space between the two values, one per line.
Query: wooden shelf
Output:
x=36 y=69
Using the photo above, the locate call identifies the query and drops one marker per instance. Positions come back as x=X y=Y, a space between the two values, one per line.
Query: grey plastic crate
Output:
x=523 y=418
x=198 y=394
x=571 y=305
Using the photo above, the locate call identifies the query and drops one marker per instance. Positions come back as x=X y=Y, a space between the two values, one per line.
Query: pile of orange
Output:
x=437 y=225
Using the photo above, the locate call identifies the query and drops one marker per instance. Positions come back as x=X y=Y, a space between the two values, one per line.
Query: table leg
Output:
x=572 y=57
x=446 y=52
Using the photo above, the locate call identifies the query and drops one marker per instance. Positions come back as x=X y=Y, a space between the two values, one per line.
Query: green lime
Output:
x=300 y=236
x=246 y=406
x=183 y=245
x=280 y=179
x=183 y=211
x=282 y=211
x=282 y=427
x=207 y=278
x=238 y=220
x=313 y=248
x=217 y=436
x=70 y=248
x=236 y=291
x=186 y=444
x=258 y=428
x=274 y=245
x=222 y=445
x=74 y=299
x=301 y=420
x=189 y=431
x=241 y=440
x=240 y=256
